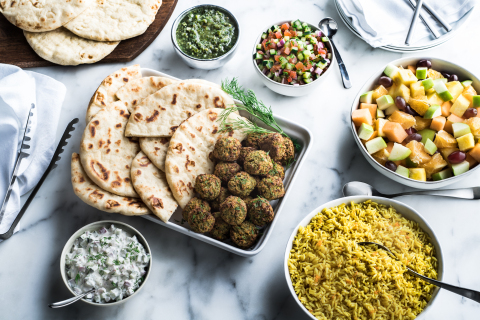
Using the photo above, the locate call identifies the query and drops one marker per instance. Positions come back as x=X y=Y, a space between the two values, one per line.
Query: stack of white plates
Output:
x=424 y=44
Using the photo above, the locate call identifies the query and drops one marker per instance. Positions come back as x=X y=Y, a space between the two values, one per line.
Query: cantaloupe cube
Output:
x=370 y=106
x=471 y=160
x=451 y=120
x=433 y=74
x=405 y=119
x=406 y=77
x=434 y=98
x=438 y=123
x=474 y=124
x=446 y=108
x=360 y=116
x=418 y=174
x=381 y=156
x=378 y=92
x=417 y=90
x=421 y=123
x=466 y=142
x=459 y=106
x=445 y=140
x=394 y=132
x=469 y=92
x=475 y=152
x=455 y=88
x=445 y=152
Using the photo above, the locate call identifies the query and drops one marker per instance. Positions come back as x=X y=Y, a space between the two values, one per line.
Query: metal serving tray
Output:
x=298 y=132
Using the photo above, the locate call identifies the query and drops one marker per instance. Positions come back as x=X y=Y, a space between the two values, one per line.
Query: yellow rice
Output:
x=334 y=278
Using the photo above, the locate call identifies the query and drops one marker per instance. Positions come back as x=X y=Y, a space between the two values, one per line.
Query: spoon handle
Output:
x=343 y=70
x=465 y=193
x=69 y=301
x=467 y=293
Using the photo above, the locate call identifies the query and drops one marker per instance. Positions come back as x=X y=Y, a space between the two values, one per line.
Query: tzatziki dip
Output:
x=109 y=260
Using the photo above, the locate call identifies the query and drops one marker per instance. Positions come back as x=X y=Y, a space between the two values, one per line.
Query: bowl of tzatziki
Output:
x=109 y=256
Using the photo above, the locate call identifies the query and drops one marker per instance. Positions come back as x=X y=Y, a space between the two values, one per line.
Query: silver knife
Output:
x=21 y=154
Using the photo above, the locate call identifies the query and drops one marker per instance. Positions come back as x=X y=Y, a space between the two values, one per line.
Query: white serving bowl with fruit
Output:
x=417 y=121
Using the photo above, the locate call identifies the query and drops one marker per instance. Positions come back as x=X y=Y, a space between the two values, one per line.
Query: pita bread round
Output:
x=115 y=20
x=98 y=198
x=106 y=153
x=152 y=186
x=135 y=91
x=105 y=94
x=156 y=150
x=62 y=47
x=190 y=151
x=42 y=15
x=159 y=114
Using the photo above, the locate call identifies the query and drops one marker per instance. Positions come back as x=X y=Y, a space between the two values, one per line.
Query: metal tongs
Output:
x=56 y=157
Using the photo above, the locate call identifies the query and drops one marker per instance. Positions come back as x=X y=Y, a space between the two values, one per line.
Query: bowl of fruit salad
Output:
x=292 y=57
x=417 y=121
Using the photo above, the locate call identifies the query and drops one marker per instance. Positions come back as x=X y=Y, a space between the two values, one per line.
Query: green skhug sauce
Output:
x=206 y=33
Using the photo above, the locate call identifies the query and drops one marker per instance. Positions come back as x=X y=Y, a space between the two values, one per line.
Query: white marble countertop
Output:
x=193 y=280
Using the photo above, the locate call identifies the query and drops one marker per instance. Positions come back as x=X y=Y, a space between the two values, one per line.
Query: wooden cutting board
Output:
x=14 y=48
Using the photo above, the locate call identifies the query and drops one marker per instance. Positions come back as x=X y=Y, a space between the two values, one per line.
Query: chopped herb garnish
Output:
x=77 y=278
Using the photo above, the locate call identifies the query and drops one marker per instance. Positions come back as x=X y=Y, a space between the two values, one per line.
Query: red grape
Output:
x=453 y=77
x=391 y=166
x=400 y=103
x=424 y=63
x=411 y=111
x=470 y=113
x=457 y=157
x=410 y=130
x=413 y=136
x=385 y=81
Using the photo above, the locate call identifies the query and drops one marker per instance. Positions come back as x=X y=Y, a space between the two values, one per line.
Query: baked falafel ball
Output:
x=244 y=235
x=253 y=140
x=260 y=212
x=258 y=162
x=274 y=145
x=224 y=194
x=195 y=205
x=207 y=186
x=226 y=170
x=271 y=188
x=289 y=154
x=201 y=221
x=242 y=184
x=233 y=210
x=244 y=151
x=227 y=149
x=221 y=229
x=277 y=171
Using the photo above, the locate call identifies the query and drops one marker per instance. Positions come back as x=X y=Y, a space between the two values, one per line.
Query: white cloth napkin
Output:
x=386 y=22
x=18 y=90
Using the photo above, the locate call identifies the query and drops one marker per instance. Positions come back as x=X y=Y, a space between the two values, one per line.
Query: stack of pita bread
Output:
x=79 y=31
x=146 y=140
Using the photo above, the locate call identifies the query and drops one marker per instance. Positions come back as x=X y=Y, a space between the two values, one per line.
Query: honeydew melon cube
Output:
x=366 y=97
x=418 y=174
x=427 y=134
x=460 y=106
x=390 y=70
x=427 y=84
x=466 y=142
x=467 y=83
x=444 y=174
x=406 y=77
x=375 y=145
x=421 y=73
x=384 y=102
x=401 y=170
x=380 y=113
x=432 y=112
x=379 y=123
x=365 y=131
x=430 y=147
x=460 y=168
x=399 y=152
x=442 y=91
x=417 y=90
x=476 y=101
x=460 y=129
x=455 y=88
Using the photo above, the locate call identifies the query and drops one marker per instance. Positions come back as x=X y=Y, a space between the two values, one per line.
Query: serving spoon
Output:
x=467 y=293
x=329 y=27
x=356 y=188
x=67 y=302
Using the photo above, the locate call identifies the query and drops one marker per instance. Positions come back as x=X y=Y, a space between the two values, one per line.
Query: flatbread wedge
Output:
x=190 y=151
x=156 y=150
x=152 y=186
x=135 y=91
x=62 y=47
x=105 y=94
x=106 y=153
x=98 y=198
x=161 y=113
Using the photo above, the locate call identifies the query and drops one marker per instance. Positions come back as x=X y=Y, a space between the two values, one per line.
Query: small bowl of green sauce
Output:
x=206 y=36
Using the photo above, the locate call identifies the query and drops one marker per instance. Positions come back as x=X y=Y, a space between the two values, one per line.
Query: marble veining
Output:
x=196 y=281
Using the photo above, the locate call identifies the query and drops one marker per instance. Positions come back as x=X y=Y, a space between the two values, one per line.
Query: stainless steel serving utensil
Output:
x=329 y=27
x=444 y=23
x=67 y=302
x=414 y=21
x=356 y=188
x=425 y=21
x=467 y=293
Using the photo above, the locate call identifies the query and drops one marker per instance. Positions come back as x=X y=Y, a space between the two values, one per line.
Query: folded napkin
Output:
x=386 y=22
x=18 y=90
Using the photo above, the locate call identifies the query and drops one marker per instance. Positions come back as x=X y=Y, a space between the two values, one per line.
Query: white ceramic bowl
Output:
x=96 y=226
x=287 y=89
x=439 y=65
x=403 y=209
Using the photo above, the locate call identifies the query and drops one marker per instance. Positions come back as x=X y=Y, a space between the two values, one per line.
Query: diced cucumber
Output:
x=401 y=170
x=324 y=39
x=427 y=84
x=286 y=38
x=322 y=65
x=460 y=129
x=430 y=147
x=390 y=70
x=380 y=113
x=273 y=52
x=300 y=56
x=270 y=75
x=476 y=101
x=384 y=102
x=399 y=152
x=444 y=174
x=306 y=75
x=375 y=145
x=367 y=97
x=258 y=56
x=442 y=91
x=289 y=66
x=305 y=25
x=264 y=36
x=307 y=53
x=427 y=134
x=299 y=33
x=259 y=46
x=294 y=49
x=467 y=83
x=308 y=80
x=421 y=73
x=309 y=47
x=460 y=168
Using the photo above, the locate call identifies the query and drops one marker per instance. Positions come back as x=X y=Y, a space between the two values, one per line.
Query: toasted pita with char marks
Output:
x=152 y=186
x=106 y=153
x=161 y=113
x=190 y=151
x=98 y=198
x=156 y=150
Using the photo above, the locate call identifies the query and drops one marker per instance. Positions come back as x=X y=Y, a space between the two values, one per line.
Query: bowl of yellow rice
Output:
x=333 y=278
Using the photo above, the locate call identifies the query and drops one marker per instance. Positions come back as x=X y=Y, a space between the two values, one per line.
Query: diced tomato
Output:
x=322 y=51
x=281 y=51
x=285 y=26
x=272 y=45
x=287 y=50
x=276 y=67
x=278 y=34
x=293 y=74
x=289 y=79
x=300 y=66
x=264 y=42
x=277 y=58
x=309 y=66
x=300 y=49
x=293 y=60
x=287 y=33
x=293 y=33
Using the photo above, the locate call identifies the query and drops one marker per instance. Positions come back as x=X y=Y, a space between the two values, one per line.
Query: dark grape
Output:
x=446 y=74
x=411 y=111
x=391 y=166
x=410 y=130
x=437 y=152
x=470 y=113
x=424 y=63
x=453 y=77
x=413 y=136
x=385 y=81
x=457 y=157
x=400 y=103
